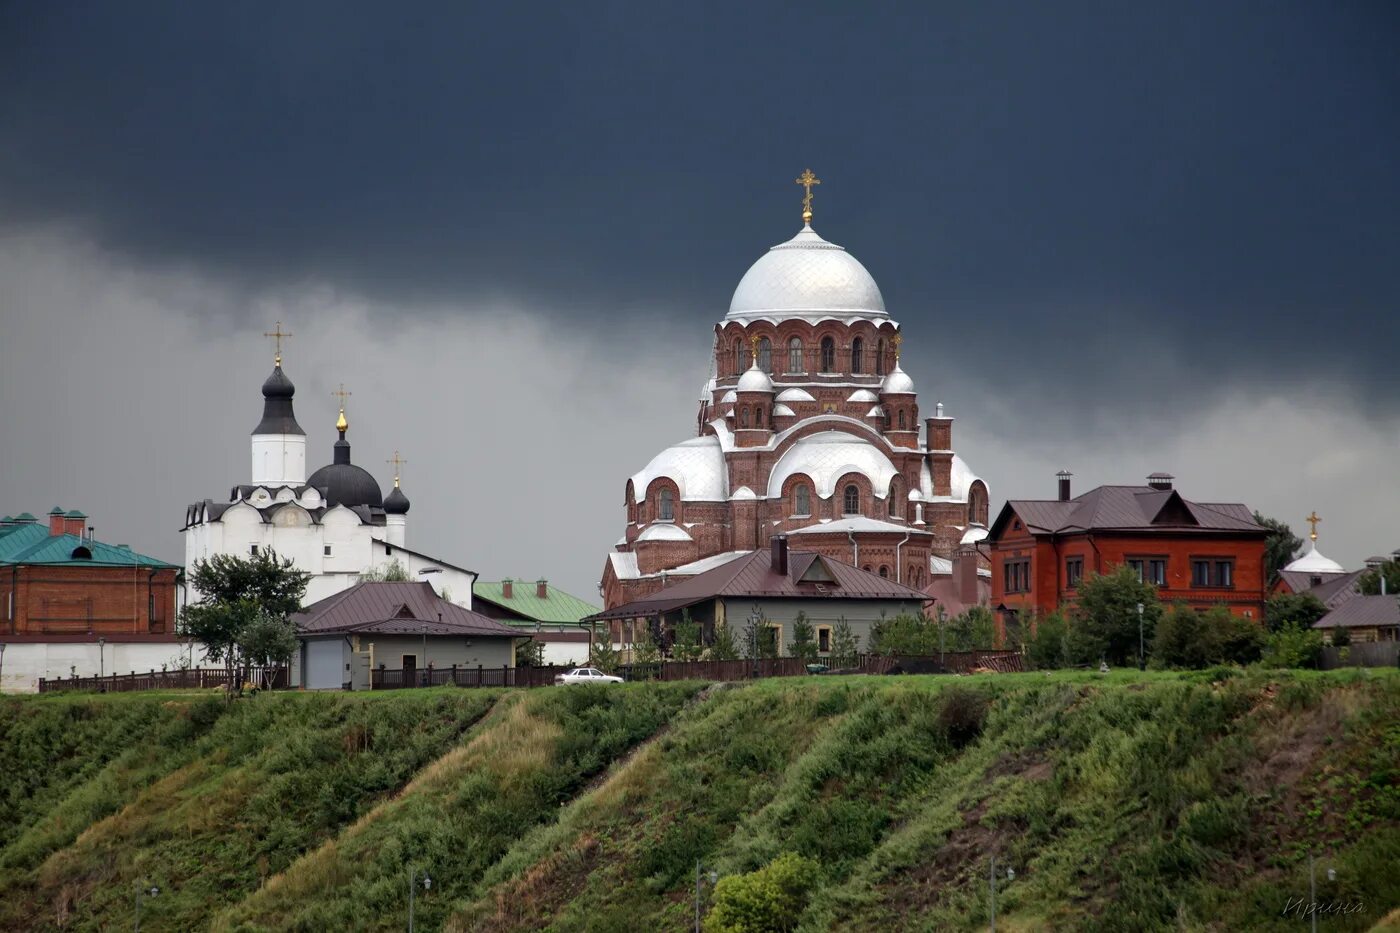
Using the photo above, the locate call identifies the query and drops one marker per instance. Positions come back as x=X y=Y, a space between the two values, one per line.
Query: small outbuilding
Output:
x=396 y=635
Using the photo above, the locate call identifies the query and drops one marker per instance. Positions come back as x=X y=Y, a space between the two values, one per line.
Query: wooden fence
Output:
x=192 y=679
x=1362 y=654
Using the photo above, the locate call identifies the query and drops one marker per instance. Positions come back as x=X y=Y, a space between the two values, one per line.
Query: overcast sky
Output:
x=1118 y=239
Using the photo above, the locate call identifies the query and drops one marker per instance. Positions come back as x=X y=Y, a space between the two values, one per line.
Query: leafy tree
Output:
x=645 y=651
x=1341 y=637
x=768 y=900
x=389 y=572
x=1293 y=646
x=266 y=641
x=1046 y=648
x=1292 y=609
x=685 y=645
x=973 y=629
x=760 y=638
x=1280 y=547
x=1107 y=616
x=905 y=634
x=237 y=592
x=1235 y=640
x=602 y=654
x=804 y=639
x=529 y=653
x=723 y=647
x=1189 y=639
x=1369 y=583
x=845 y=644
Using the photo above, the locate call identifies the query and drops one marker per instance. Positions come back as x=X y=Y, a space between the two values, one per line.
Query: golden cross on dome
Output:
x=753 y=342
x=397 y=461
x=807 y=180
x=1313 y=520
x=340 y=423
x=898 y=339
x=278 y=333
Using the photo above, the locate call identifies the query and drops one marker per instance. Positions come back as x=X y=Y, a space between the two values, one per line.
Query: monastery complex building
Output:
x=807 y=427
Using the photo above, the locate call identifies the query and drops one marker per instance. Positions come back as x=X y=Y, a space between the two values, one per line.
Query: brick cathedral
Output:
x=807 y=427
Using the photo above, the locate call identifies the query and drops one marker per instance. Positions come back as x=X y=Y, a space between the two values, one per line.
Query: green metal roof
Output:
x=56 y=510
x=557 y=606
x=32 y=544
x=75 y=514
x=25 y=517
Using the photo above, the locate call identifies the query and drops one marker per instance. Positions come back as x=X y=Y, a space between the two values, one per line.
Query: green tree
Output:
x=760 y=637
x=1280 y=547
x=1180 y=639
x=1107 y=616
x=1235 y=639
x=602 y=654
x=685 y=644
x=646 y=655
x=389 y=572
x=1341 y=637
x=1293 y=646
x=267 y=641
x=972 y=629
x=845 y=644
x=769 y=900
x=723 y=648
x=1369 y=583
x=529 y=652
x=905 y=634
x=804 y=639
x=236 y=593
x=1292 y=609
x=1046 y=648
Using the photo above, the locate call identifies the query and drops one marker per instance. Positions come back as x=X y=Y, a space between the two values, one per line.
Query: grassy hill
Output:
x=1123 y=802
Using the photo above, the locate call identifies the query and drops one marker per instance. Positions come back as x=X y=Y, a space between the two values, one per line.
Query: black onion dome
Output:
x=278 y=417
x=343 y=483
x=396 y=503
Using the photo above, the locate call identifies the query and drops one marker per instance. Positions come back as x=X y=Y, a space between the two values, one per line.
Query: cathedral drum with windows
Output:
x=808 y=427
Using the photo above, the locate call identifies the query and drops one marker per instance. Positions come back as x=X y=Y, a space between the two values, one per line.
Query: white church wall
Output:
x=279 y=458
x=25 y=663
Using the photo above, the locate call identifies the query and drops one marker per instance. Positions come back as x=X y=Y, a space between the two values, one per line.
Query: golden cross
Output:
x=278 y=334
x=898 y=339
x=397 y=461
x=1313 y=520
x=340 y=423
x=807 y=180
x=753 y=342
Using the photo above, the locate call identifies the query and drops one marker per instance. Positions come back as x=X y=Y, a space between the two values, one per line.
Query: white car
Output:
x=586 y=675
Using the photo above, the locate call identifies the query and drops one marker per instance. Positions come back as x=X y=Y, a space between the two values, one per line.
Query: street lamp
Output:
x=1142 y=663
x=152 y=891
x=1312 y=889
x=700 y=875
x=2 y=665
x=413 y=882
x=101 y=656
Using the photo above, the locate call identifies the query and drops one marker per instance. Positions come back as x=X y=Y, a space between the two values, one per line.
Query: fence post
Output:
x=504 y=679
x=478 y=675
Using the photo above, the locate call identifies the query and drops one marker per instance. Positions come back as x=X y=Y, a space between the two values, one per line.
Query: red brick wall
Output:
x=80 y=599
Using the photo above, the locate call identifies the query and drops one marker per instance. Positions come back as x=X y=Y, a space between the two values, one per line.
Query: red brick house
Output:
x=1199 y=553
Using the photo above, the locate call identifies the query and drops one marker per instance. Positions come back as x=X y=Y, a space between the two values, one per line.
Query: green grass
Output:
x=1126 y=801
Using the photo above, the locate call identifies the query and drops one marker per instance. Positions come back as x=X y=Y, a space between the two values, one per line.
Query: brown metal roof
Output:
x=1363 y=612
x=1333 y=590
x=752 y=577
x=395 y=608
x=1129 y=508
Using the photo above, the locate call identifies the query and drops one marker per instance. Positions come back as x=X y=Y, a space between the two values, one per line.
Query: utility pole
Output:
x=1142 y=662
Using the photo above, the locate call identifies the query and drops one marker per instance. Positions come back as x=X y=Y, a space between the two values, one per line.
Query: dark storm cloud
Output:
x=1115 y=198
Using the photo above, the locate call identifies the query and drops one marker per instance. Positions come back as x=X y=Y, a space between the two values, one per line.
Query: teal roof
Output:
x=75 y=514
x=32 y=544
x=557 y=606
x=56 y=510
x=25 y=517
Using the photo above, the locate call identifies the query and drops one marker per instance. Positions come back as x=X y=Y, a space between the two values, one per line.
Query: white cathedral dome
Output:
x=806 y=277
x=755 y=380
x=826 y=457
x=897 y=382
x=696 y=466
x=1314 y=562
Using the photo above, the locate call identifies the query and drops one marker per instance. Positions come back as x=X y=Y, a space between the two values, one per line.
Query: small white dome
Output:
x=875 y=412
x=696 y=466
x=897 y=382
x=663 y=531
x=755 y=380
x=729 y=398
x=826 y=457
x=862 y=395
x=806 y=276
x=1314 y=562
x=743 y=494
x=974 y=534
x=796 y=395
x=916 y=496
x=782 y=411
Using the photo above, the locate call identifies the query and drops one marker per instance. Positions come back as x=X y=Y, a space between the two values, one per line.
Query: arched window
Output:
x=901 y=419
x=765 y=355
x=738 y=356
x=880 y=358
x=758 y=417
x=857 y=351
x=828 y=355
x=743 y=417
x=802 y=500
x=884 y=571
x=850 y=500
x=795 y=364
x=668 y=506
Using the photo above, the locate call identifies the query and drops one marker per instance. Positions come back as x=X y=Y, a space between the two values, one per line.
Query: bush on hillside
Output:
x=1293 y=646
x=961 y=714
x=1046 y=649
x=1288 y=609
x=1189 y=639
x=769 y=900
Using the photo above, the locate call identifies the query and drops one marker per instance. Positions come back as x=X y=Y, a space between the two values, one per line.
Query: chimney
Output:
x=779 y=548
x=1064 y=476
x=74 y=523
x=1160 y=480
x=965 y=575
x=541 y=589
x=506 y=590
x=55 y=521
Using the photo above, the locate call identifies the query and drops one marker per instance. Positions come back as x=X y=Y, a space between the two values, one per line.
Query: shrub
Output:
x=973 y=629
x=723 y=647
x=905 y=634
x=1302 y=609
x=845 y=644
x=1046 y=649
x=685 y=645
x=1341 y=637
x=961 y=714
x=1293 y=646
x=804 y=638
x=768 y=900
